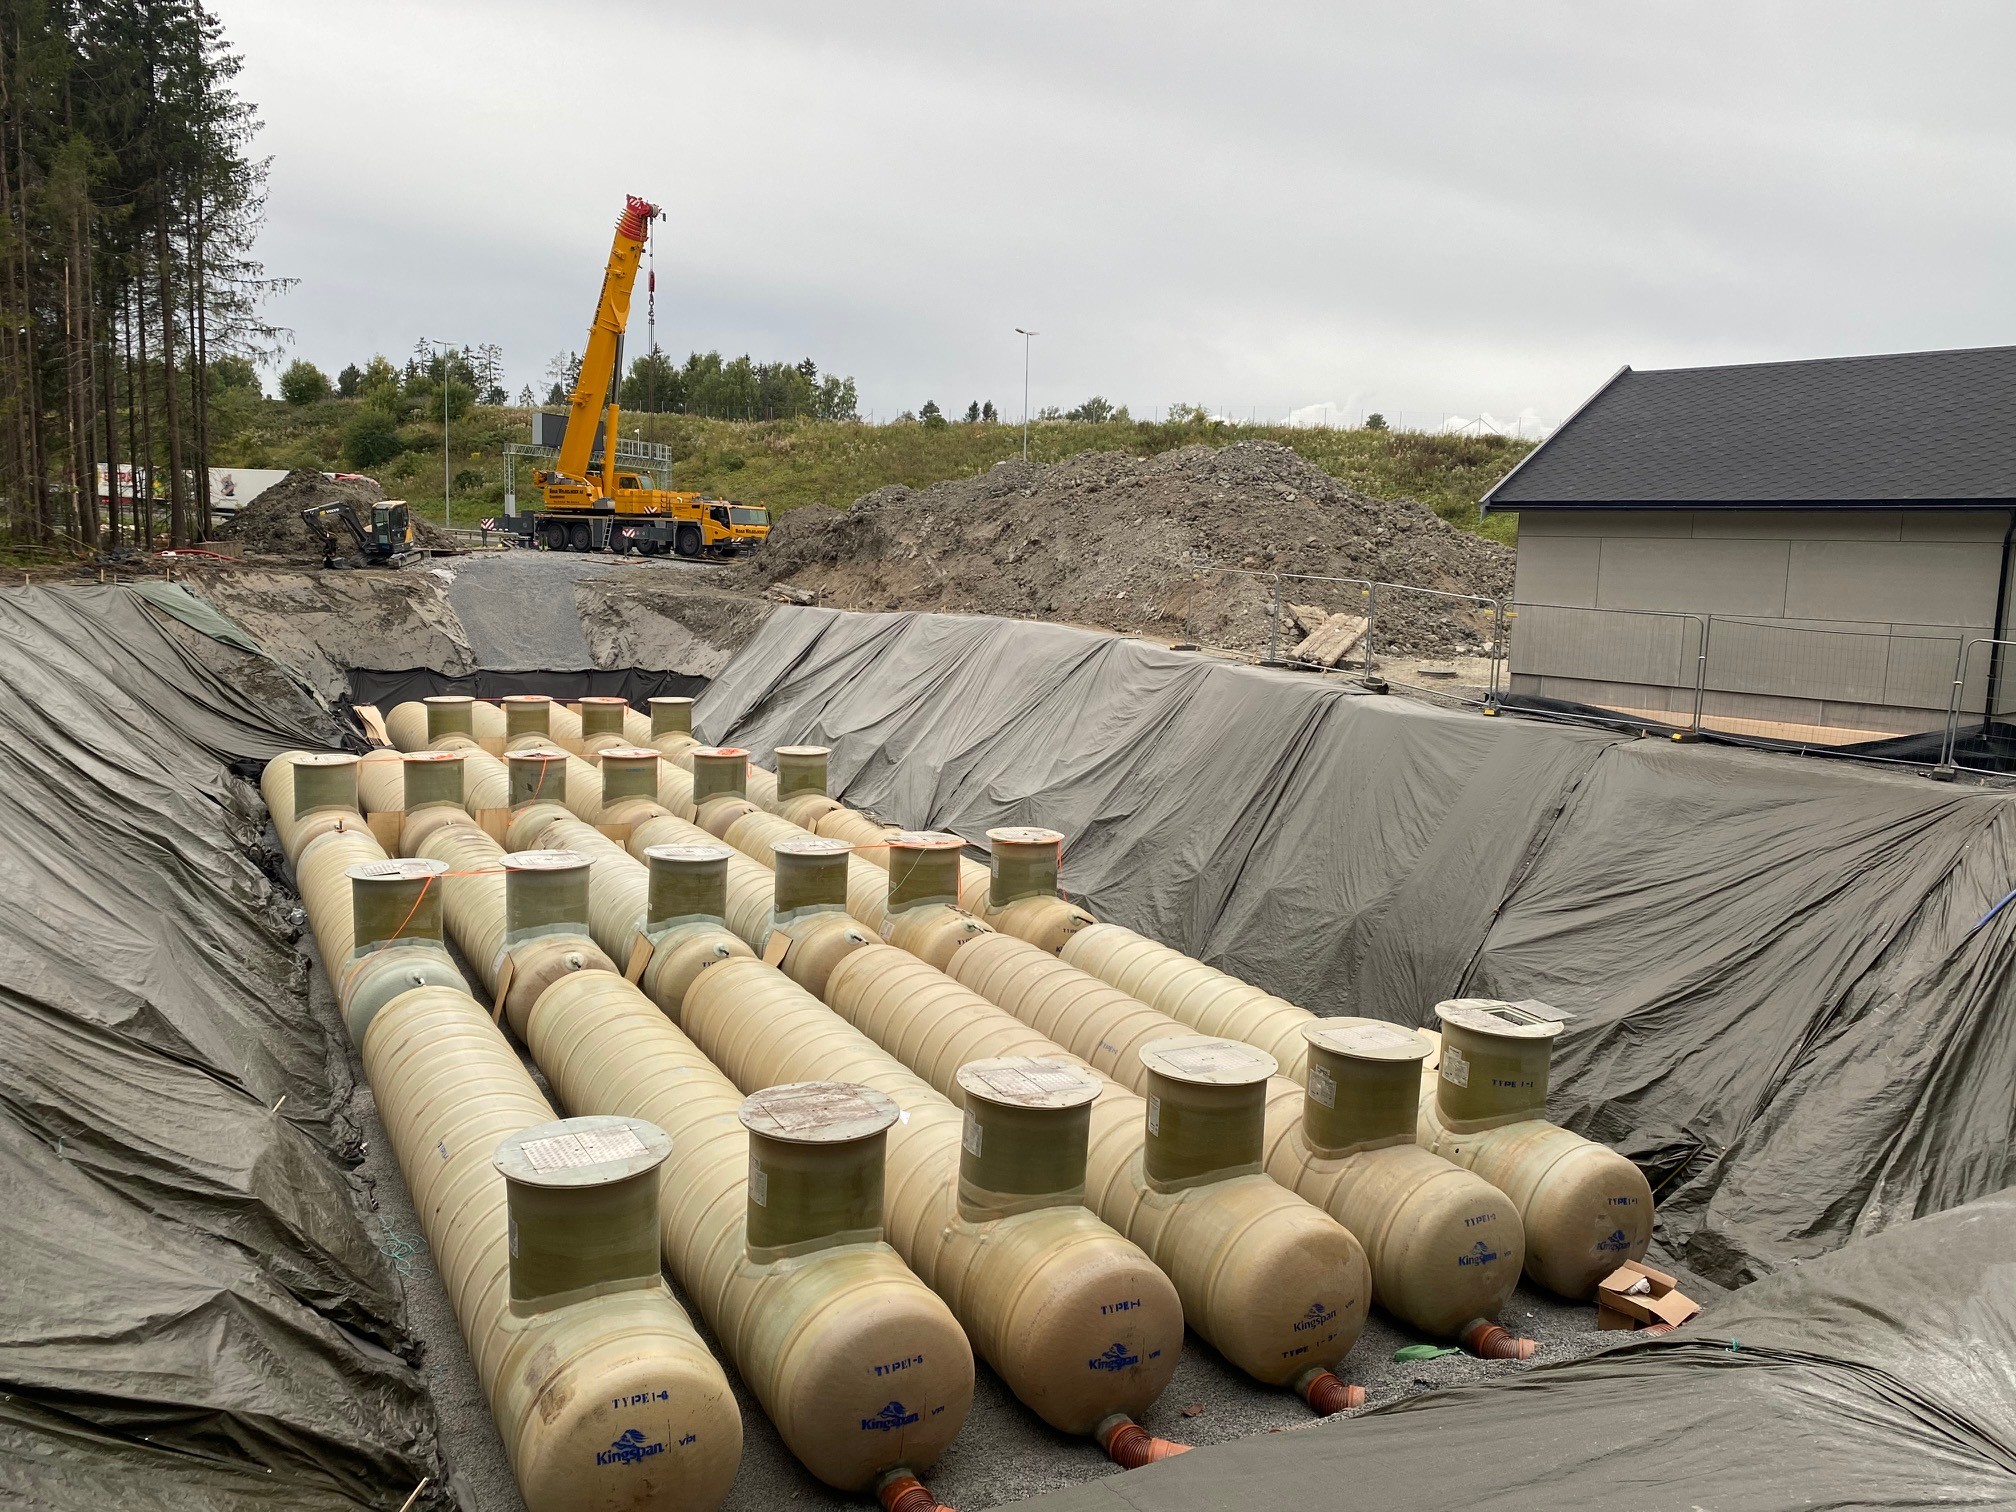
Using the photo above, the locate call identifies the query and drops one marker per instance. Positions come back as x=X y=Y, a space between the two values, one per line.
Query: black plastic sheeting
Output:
x=389 y=688
x=1784 y=1009
x=194 y=1309
x=1880 y=1376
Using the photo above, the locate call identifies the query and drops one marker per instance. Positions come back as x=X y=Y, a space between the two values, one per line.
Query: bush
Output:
x=372 y=439
x=303 y=383
x=931 y=415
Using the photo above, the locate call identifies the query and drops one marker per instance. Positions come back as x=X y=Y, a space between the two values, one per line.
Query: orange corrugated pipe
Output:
x=900 y=1491
x=1322 y=1390
x=1488 y=1341
x=1130 y=1446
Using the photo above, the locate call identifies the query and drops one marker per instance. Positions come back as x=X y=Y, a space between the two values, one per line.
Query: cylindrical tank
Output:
x=843 y=823
x=563 y=723
x=1208 y=1000
x=806 y=1328
x=684 y=918
x=406 y=725
x=530 y=907
x=1445 y=1245
x=308 y=794
x=450 y=715
x=602 y=724
x=720 y=787
x=918 y=904
x=397 y=945
x=1075 y=1319
x=671 y=727
x=486 y=721
x=798 y=790
x=381 y=780
x=603 y=1394
x=751 y=886
x=527 y=720
x=632 y=785
x=1016 y=892
x=547 y=783
x=1278 y=1287
x=810 y=928
x=1436 y=1237
x=1586 y=1208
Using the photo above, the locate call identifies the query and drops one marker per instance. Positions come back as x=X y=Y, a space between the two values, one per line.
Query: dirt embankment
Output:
x=1110 y=540
x=650 y=618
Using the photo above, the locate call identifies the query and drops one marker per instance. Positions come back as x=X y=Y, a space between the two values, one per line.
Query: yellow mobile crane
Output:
x=591 y=503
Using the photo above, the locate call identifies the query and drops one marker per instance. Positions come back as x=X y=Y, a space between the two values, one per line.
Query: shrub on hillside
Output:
x=303 y=383
x=371 y=439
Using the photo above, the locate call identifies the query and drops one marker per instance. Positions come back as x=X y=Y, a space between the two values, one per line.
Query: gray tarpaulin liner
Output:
x=1883 y=1375
x=1784 y=1010
x=194 y=1308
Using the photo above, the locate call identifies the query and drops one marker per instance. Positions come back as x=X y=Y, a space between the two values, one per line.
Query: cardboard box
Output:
x=1658 y=1302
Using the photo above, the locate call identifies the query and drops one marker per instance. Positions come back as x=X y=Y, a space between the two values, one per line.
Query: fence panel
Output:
x=1645 y=663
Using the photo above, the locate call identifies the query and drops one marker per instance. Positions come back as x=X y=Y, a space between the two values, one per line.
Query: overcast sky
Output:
x=1462 y=208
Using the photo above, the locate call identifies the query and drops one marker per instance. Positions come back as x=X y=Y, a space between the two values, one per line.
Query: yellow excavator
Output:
x=591 y=502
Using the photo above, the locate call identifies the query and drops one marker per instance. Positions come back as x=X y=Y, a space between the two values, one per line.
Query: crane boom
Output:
x=602 y=362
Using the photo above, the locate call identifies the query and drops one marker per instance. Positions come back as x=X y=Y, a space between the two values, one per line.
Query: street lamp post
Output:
x=1025 y=335
x=447 y=499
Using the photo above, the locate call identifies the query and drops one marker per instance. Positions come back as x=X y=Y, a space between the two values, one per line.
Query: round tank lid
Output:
x=686 y=855
x=537 y=753
x=1025 y=834
x=325 y=759
x=703 y=753
x=671 y=698
x=804 y=751
x=924 y=840
x=812 y=845
x=630 y=753
x=525 y=698
x=1204 y=1061
x=1366 y=1039
x=1028 y=1081
x=580 y=1152
x=434 y=755
x=448 y=698
x=396 y=869
x=1490 y=1016
x=544 y=860
x=817 y=1112
x=603 y=698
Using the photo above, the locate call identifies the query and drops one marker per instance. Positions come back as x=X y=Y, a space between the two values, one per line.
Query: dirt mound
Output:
x=1112 y=541
x=271 y=525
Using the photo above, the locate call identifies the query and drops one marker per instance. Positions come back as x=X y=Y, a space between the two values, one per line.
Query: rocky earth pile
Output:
x=271 y=525
x=1146 y=546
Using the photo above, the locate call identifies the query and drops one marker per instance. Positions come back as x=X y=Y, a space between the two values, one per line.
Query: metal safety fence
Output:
x=1942 y=697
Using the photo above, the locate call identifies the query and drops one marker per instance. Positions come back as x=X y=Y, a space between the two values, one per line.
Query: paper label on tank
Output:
x=1154 y=1115
x=970 y=1136
x=759 y=1184
x=1322 y=1087
x=888 y=930
x=1455 y=1067
x=588 y=1147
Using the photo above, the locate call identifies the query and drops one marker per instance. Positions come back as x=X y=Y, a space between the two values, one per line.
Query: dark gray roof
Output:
x=1923 y=428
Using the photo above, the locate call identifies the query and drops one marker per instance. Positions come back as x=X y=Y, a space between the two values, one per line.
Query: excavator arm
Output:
x=602 y=363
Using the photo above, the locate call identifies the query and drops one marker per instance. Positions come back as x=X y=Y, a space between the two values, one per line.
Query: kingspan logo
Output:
x=1479 y=1254
x=889 y=1419
x=1316 y=1317
x=1117 y=1357
x=630 y=1447
x=1616 y=1241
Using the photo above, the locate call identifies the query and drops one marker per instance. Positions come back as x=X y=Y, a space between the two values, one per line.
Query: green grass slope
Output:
x=791 y=462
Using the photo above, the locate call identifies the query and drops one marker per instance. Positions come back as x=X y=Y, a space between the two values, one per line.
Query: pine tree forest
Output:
x=129 y=202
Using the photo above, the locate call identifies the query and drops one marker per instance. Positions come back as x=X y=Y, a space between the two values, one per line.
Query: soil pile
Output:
x=271 y=525
x=1117 y=542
